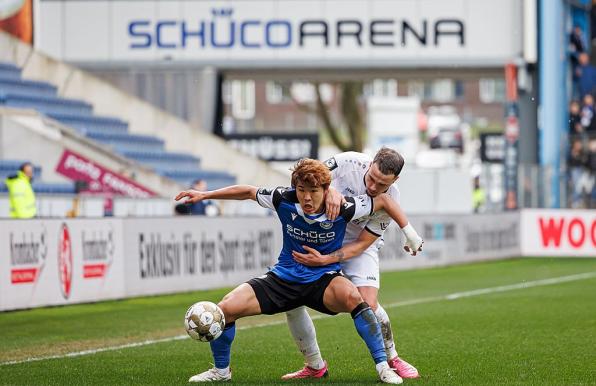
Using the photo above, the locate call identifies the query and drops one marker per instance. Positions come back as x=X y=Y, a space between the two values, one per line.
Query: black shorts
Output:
x=276 y=295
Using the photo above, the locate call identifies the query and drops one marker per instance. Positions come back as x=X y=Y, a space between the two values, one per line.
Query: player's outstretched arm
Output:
x=413 y=240
x=234 y=192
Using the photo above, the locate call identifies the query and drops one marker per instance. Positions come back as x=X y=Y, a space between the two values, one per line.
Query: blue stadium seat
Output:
x=147 y=150
x=129 y=142
x=47 y=187
x=215 y=180
x=165 y=160
x=9 y=71
x=26 y=87
x=92 y=123
x=47 y=104
x=54 y=188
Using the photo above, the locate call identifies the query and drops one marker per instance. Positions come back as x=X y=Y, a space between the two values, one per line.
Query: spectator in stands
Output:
x=201 y=208
x=20 y=192
x=576 y=47
x=577 y=163
x=587 y=112
x=577 y=41
x=575 y=126
x=585 y=75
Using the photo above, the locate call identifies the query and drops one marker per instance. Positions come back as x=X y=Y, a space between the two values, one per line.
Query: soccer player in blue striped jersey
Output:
x=290 y=284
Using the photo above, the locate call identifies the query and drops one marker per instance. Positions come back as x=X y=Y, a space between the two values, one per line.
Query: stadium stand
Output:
x=145 y=149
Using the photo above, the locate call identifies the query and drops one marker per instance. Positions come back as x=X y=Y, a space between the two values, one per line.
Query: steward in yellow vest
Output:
x=20 y=193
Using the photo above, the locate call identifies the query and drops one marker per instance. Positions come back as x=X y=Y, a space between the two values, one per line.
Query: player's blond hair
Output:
x=312 y=172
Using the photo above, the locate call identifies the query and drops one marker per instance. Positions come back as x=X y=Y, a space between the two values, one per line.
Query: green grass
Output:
x=538 y=335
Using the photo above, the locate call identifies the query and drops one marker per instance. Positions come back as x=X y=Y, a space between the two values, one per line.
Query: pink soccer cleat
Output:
x=307 y=372
x=403 y=368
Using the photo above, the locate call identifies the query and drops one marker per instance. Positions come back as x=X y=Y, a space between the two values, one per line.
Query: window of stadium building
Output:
x=438 y=90
x=278 y=92
x=491 y=90
x=243 y=99
x=381 y=88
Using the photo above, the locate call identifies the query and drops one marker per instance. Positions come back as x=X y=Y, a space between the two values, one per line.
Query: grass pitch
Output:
x=542 y=334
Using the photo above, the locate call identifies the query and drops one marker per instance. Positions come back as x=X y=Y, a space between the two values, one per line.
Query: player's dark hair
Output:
x=311 y=172
x=389 y=161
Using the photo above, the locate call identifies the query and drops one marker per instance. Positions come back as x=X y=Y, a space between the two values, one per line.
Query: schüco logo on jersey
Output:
x=65 y=261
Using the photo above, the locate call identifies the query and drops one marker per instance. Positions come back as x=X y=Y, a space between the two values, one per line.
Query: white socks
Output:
x=381 y=366
x=305 y=336
x=383 y=319
x=223 y=372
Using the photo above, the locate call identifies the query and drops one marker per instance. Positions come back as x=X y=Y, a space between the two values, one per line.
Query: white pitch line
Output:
x=452 y=296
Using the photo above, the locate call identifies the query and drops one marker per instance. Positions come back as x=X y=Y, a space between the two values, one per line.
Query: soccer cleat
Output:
x=308 y=372
x=211 y=375
x=403 y=368
x=387 y=375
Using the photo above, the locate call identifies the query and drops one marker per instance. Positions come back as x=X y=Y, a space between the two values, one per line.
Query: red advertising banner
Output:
x=16 y=18
x=78 y=168
x=559 y=232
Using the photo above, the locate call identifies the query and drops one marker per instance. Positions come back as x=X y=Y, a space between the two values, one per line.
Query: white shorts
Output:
x=363 y=270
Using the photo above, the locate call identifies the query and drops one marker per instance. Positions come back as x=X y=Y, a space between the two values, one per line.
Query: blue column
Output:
x=553 y=41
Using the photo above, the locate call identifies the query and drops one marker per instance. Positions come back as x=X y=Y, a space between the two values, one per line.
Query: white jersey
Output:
x=347 y=171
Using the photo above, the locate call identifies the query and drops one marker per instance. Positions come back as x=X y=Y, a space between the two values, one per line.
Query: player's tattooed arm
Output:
x=234 y=192
x=313 y=258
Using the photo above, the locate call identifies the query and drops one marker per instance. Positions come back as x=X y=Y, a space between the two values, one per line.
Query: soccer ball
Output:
x=204 y=321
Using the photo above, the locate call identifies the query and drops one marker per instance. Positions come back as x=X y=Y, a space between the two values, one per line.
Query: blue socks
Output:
x=222 y=346
x=364 y=319
x=369 y=329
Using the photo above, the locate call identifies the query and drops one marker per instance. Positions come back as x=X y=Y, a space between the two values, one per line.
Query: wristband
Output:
x=410 y=232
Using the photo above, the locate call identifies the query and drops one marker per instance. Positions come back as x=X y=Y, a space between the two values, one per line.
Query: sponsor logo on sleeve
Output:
x=331 y=163
x=348 y=205
x=265 y=191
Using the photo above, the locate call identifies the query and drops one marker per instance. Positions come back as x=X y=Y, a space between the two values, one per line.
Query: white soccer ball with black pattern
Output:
x=204 y=321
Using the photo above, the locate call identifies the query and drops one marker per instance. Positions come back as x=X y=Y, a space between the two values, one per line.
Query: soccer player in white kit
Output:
x=355 y=174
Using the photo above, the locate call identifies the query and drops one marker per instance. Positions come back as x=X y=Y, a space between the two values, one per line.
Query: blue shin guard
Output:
x=369 y=329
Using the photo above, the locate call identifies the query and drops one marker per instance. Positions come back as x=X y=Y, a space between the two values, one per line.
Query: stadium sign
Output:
x=28 y=252
x=359 y=33
x=212 y=253
x=99 y=179
x=65 y=261
x=452 y=239
x=492 y=148
x=558 y=233
x=50 y=264
x=146 y=257
x=276 y=147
